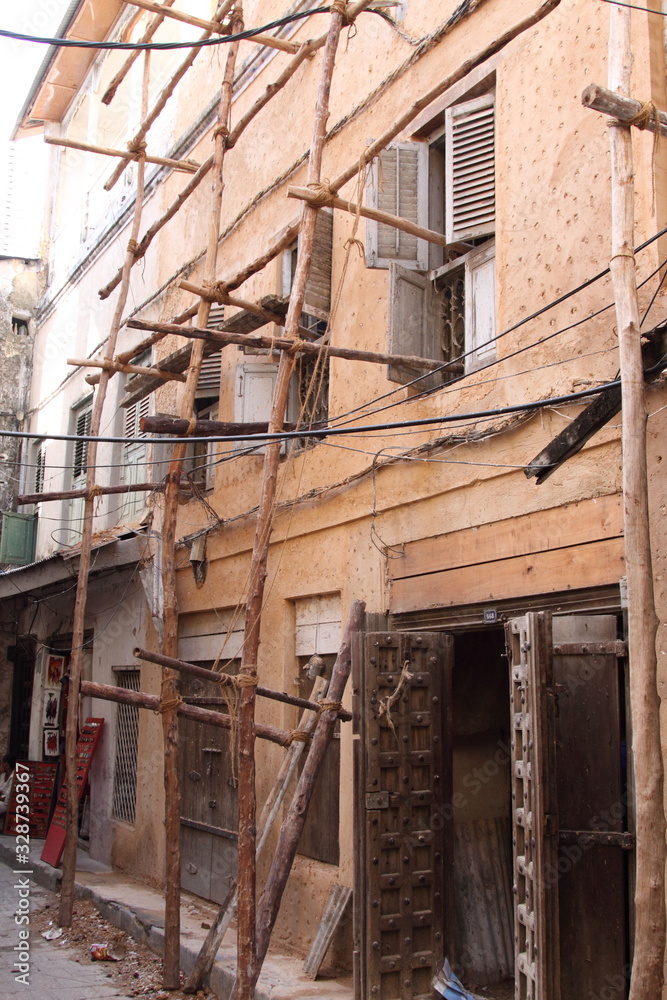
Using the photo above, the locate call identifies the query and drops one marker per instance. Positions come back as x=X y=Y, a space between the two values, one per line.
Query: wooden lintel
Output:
x=227 y=679
x=188 y=166
x=312 y=198
x=102 y=491
x=286 y=344
x=593 y=418
x=624 y=109
x=107 y=692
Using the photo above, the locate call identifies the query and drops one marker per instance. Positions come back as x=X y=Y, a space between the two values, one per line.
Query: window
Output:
x=20 y=326
x=127 y=741
x=39 y=463
x=81 y=418
x=442 y=301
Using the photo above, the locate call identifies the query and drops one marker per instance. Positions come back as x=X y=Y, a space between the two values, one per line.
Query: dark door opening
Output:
x=19 y=733
x=481 y=925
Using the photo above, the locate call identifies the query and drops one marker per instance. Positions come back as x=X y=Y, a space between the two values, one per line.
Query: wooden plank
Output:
x=584 y=565
x=339 y=897
x=554 y=528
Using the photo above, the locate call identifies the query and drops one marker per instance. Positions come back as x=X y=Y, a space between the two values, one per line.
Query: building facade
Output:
x=509 y=748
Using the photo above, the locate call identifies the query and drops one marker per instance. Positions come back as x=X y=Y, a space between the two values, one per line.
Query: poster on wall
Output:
x=55 y=668
x=51 y=742
x=51 y=706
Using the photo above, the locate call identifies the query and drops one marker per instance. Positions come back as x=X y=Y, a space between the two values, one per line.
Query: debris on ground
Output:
x=133 y=967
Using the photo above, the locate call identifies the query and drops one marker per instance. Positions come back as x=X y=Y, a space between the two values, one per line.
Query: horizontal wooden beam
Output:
x=227 y=679
x=102 y=491
x=151 y=702
x=117 y=366
x=177 y=15
x=625 y=109
x=313 y=198
x=178 y=427
x=285 y=344
x=188 y=166
x=211 y=295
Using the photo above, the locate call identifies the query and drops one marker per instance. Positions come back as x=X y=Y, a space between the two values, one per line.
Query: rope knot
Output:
x=642 y=119
x=221 y=130
x=217 y=291
x=330 y=706
x=137 y=147
x=298 y=736
x=245 y=681
x=136 y=249
x=297 y=345
x=94 y=492
x=355 y=243
x=341 y=7
x=322 y=194
x=168 y=705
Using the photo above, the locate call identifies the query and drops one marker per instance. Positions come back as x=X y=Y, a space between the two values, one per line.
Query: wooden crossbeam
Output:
x=624 y=109
x=187 y=166
x=99 y=491
x=228 y=679
x=202 y=428
x=116 y=366
x=285 y=344
x=107 y=692
x=111 y=90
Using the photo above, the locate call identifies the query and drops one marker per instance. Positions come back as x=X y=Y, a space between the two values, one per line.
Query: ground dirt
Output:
x=137 y=974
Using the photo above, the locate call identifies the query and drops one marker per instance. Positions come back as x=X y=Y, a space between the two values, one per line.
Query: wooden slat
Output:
x=339 y=897
x=554 y=528
x=581 y=566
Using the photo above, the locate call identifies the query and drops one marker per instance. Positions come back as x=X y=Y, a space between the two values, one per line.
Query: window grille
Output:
x=127 y=733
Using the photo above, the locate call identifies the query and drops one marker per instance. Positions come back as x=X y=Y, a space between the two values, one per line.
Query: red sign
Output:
x=85 y=749
x=42 y=777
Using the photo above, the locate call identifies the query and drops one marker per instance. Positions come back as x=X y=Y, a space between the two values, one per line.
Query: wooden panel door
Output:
x=401 y=680
x=592 y=806
x=533 y=806
x=209 y=802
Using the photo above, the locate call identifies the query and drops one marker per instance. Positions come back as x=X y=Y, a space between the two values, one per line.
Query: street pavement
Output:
x=51 y=971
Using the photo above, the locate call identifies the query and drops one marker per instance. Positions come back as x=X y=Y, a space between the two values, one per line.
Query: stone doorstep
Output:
x=138 y=910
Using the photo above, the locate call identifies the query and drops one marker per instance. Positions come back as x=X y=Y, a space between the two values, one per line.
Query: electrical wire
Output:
x=76 y=43
x=632 y=6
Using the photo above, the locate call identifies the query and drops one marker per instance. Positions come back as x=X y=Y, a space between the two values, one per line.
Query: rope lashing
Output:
x=137 y=147
x=245 y=681
x=341 y=7
x=136 y=249
x=94 y=492
x=298 y=736
x=330 y=706
x=221 y=130
x=642 y=119
x=217 y=291
x=322 y=194
x=168 y=705
x=297 y=345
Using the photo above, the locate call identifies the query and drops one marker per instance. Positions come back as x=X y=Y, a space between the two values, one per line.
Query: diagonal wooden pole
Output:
x=246 y=947
x=171 y=967
x=650 y=923
x=72 y=814
x=110 y=92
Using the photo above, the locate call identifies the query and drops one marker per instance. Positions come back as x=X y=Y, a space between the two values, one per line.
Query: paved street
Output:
x=53 y=971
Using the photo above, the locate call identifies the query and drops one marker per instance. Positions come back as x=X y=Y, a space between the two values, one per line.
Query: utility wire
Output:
x=76 y=43
x=632 y=6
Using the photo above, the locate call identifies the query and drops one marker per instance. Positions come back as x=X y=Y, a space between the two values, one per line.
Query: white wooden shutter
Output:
x=398 y=184
x=317 y=300
x=254 y=397
x=415 y=323
x=470 y=197
x=209 y=376
x=480 y=307
x=81 y=428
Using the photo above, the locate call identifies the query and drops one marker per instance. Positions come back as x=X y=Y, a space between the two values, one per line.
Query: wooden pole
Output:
x=150 y=117
x=189 y=166
x=99 y=491
x=177 y=15
x=78 y=622
x=246 y=950
x=110 y=92
x=256 y=339
x=117 y=366
x=650 y=922
x=228 y=679
x=313 y=198
x=207 y=717
x=225 y=915
x=202 y=428
x=624 y=108
x=306 y=50
x=292 y=828
x=171 y=506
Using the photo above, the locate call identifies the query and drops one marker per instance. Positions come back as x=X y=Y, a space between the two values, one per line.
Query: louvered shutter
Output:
x=216 y=317
x=209 y=377
x=317 y=300
x=415 y=324
x=398 y=184
x=40 y=467
x=470 y=196
x=81 y=429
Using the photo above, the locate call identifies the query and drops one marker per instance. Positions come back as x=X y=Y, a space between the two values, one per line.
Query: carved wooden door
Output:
x=533 y=805
x=401 y=685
